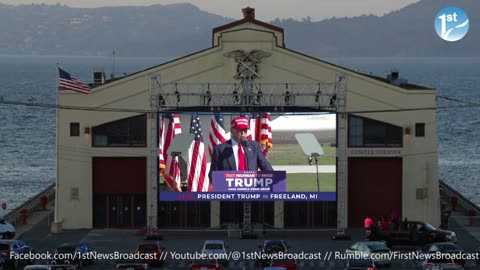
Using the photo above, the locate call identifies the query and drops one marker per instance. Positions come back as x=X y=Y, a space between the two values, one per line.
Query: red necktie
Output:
x=241 y=159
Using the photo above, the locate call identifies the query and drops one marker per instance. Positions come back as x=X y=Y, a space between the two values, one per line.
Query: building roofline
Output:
x=153 y=67
x=406 y=86
x=248 y=17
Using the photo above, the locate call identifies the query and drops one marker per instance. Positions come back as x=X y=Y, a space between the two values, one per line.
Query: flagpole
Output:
x=56 y=219
x=113 y=65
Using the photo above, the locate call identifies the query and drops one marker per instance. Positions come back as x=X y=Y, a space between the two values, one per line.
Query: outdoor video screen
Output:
x=247 y=156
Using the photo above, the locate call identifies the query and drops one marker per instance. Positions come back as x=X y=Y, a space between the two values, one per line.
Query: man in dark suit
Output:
x=238 y=153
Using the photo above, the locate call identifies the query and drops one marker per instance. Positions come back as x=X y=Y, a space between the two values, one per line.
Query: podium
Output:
x=249 y=181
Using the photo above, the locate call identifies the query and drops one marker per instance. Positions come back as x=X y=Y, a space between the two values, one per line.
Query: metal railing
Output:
x=457 y=201
x=31 y=205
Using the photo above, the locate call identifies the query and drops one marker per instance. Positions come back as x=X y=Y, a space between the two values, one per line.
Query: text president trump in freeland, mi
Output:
x=238 y=153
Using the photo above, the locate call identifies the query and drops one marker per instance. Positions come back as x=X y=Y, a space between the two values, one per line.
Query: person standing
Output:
x=368 y=222
x=394 y=219
x=384 y=223
x=238 y=153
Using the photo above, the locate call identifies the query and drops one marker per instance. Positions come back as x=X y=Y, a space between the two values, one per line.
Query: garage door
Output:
x=374 y=188
x=119 y=192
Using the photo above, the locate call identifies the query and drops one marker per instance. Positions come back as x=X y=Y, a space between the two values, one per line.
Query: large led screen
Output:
x=200 y=156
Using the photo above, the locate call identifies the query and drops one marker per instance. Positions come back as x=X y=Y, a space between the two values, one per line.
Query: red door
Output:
x=374 y=188
x=119 y=191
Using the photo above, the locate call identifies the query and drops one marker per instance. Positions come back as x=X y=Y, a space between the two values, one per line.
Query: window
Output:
x=419 y=129
x=364 y=132
x=127 y=132
x=374 y=133
x=356 y=131
x=74 y=129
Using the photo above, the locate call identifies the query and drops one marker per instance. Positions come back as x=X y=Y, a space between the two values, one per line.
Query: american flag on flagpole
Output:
x=68 y=82
x=197 y=166
x=169 y=128
x=265 y=133
x=217 y=132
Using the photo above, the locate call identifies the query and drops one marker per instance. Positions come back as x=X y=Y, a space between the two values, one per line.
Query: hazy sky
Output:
x=264 y=9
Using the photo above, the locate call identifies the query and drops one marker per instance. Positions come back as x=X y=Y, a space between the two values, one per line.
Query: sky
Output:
x=265 y=10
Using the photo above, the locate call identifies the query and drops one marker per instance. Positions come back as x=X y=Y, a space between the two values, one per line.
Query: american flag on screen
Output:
x=217 y=132
x=197 y=166
x=265 y=133
x=68 y=82
x=169 y=128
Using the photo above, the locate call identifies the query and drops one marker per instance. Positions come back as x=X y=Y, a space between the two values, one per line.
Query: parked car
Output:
x=439 y=264
x=448 y=267
x=271 y=247
x=444 y=261
x=285 y=262
x=153 y=237
x=445 y=247
x=7 y=230
x=11 y=247
x=413 y=233
x=218 y=248
x=51 y=267
x=74 y=254
x=205 y=263
x=376 y=250
x=153 y=250
x=83 y=249
x=360 y=264
x=132 y=266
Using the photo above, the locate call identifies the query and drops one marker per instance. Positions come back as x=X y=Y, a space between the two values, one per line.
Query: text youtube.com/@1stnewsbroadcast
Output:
x=242 y=255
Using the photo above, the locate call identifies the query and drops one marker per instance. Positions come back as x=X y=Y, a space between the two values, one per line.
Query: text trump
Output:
x=249 y=182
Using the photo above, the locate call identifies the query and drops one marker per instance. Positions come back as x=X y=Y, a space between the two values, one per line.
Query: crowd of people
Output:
x=383 y=224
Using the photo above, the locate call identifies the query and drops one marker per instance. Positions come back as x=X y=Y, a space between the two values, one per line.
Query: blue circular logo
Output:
x=451 y=23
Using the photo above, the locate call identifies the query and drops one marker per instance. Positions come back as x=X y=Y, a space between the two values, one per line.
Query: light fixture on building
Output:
x=87 y=132
x=407 y=132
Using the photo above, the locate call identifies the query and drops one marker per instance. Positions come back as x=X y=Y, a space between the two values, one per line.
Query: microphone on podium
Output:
x=244 y=142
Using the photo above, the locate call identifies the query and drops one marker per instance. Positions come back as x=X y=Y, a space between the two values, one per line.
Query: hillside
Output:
x=179 y=29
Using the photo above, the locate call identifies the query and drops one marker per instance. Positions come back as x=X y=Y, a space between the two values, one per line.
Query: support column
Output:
x=279 y=214
x=152 y=179
x=342 y=159
x=215 y=214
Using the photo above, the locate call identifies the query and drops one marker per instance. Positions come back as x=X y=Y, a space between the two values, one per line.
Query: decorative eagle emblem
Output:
x=247 y=67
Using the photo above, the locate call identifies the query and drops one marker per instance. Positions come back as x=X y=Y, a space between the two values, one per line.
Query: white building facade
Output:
x=104 y=156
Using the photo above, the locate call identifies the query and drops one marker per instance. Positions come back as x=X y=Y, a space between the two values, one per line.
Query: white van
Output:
x=7 y=231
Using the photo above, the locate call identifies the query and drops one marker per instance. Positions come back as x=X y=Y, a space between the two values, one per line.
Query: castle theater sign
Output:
x=375 y=152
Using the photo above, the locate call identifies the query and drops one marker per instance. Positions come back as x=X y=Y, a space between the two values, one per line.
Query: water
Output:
x=457 y=128
x=27 y=134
